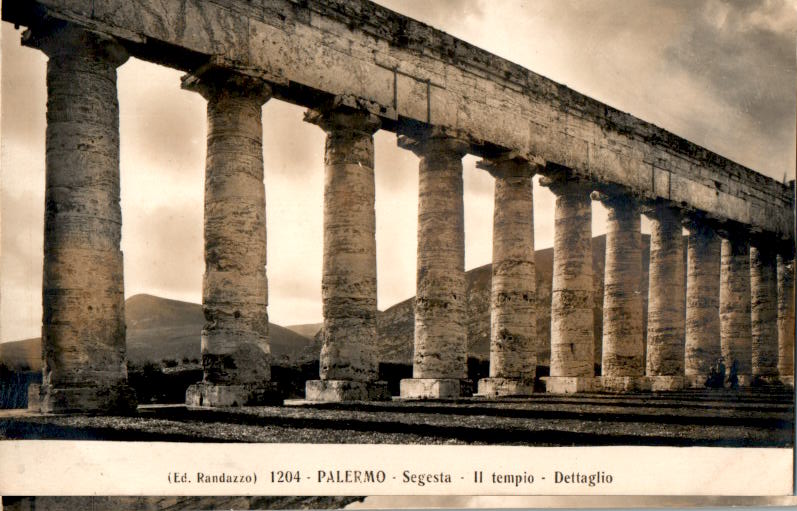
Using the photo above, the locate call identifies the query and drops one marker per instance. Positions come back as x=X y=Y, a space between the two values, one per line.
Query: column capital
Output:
x=732 y=230
x=57 y=38
x=564 y=181
x=654 y=208
x=212 y=81
x=336 y=118
x=509 y=164
x=435 y=140
x=614 y=198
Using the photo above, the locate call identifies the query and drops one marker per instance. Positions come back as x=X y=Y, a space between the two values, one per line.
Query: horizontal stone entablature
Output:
x=413 y=73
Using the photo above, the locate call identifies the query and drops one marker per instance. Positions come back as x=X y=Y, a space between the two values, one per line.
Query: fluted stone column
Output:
x=702 y=303
x=785 y=262
x=440 y=356
x=764 y=309
x=735 y=327
x=513 y=318
x=349 y=365
x=235 y=349
x=623 y=361
x=666 y=295
x=83 y=332
x=572 y=293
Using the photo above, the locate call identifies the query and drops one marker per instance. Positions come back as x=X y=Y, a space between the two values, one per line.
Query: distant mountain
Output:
x=307 y=330
x=160 y=329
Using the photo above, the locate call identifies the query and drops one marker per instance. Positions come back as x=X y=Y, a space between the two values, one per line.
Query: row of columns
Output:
x=738 y=300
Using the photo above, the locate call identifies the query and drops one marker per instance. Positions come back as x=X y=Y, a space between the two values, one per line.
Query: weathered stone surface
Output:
x=702 y=301
x=83 y=332
x=666 y=306
x=235 y=350
x=572 y=293
x=571 y=384
x=349 y=266
x=513 y=323
x=763 y=307
x=212 y=395
x=412 y=70
x=346 y=390
x=664 y=383
x=431 y=388
x=440 y=329
x=504 y=387
x=785 y=263
x=735 y=328
x=623 y=339
x=624 y=384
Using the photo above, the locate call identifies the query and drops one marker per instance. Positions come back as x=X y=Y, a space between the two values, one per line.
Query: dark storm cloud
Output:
x=741 y=51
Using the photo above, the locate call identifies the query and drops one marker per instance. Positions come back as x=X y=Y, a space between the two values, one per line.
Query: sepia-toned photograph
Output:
x=393 y=247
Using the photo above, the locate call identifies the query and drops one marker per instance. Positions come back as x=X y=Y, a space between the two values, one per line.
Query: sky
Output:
x=720 y=73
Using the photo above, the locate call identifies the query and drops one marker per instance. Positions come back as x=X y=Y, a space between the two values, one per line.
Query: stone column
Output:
x=764 y=309
x=513 y=319
x=785 y=262
x=83 y=332
x=702 y=303
x=235 y=350
x=572 y=292
x=349 y=367
x=440 y=357
x=735 y=327
x=666 y=295
x=623 y=363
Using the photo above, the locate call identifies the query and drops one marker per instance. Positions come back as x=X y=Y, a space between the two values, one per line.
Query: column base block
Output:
x=34 y=397
x=431 y=388
x=211 y=395
x=624 y=384
x=345 y=390
x=570 y=384
x=695 y=381
x=745 y=380
x=766 y=380
x=788 y=381
x=665 y=383
x=504 y=387
x=111 y=399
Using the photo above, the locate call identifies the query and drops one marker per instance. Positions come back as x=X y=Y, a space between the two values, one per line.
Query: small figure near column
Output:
x=572 y=291
x=623 y=361
x=513 y=319
x=349 y=364
x=235 y=350
x=440 y=361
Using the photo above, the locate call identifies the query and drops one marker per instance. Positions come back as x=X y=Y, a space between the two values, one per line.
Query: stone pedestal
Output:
x=666 y=299
x=235 y=349
x=572 y=329
x=735 y=328
x=513 y=318
x=432 y=388
x=349 y=367
x=785 y=269
x=440 y=355
x=222 y=395
x=571 y=384
x=666 y=383
x=702 y=350
x=83 y=332
x=623 y=384
x=764 y=309
x=623 y=343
